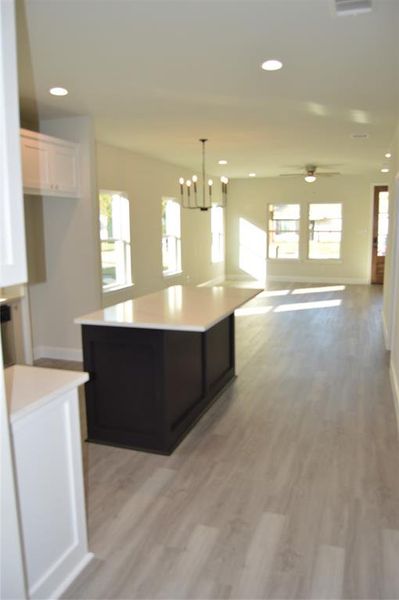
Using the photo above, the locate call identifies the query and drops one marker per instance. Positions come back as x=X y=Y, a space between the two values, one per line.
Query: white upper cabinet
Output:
x=36 y=163
x=64 y=168
x=49 y=165
x=12 y=228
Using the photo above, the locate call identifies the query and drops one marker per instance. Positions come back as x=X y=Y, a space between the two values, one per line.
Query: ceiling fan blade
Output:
x=292 y=174
x=316 y=174
x=331 y=174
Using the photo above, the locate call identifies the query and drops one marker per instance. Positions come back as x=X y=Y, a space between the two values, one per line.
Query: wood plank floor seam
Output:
x=287 y=488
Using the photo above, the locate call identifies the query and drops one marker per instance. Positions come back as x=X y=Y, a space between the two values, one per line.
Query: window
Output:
x=325 y=231
x=217 y=231
x=171 y=237
x=283 y=231
x=383 y=222
x=116 y=267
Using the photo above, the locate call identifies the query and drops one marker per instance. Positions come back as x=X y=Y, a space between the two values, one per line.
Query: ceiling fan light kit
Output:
x=189 y=196
x=309 y=174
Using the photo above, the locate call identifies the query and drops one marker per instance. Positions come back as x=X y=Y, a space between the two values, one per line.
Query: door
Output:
x=36 y=164
x=380 y=232
x=64 y=169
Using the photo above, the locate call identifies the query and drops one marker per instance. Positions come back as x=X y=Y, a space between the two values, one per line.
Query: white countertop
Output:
x=9 y=299
x=12 y=293
x=29 y=388
x=180 y=308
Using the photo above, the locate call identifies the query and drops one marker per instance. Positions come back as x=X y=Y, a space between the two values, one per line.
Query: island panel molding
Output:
x=151 y=377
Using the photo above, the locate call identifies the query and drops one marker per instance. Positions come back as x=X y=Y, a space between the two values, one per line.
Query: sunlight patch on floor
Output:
x=272 y=293
x=308 y=305
x=253 y=310
x=319 y=290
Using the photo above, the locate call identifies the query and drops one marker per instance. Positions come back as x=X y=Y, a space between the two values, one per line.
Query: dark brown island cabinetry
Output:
x=148 y=386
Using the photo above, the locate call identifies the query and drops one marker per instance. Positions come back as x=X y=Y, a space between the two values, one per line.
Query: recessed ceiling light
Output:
x=222 y=162
x=272 y=65
x=251 y=174
x=384 y=170
x=388 y=155
x=58 y=91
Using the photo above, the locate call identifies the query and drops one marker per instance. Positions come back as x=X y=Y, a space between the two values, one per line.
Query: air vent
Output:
x=360 y=136
x=352 y=7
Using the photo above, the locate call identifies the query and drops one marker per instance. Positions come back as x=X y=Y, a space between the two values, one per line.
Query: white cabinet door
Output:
x=64 y=168
x=45 y=431
x=13 y=268
x=36 y=164
x=50 y=165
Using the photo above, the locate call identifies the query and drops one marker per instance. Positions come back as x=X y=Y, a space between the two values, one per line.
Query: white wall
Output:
x=147 y=181
x=391 y=284
x=395 y=311
x=248 y=199
x=73 y=280
x=72 y=285
x=393 y=243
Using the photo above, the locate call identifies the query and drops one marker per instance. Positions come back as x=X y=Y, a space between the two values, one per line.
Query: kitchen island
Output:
x=157 y=362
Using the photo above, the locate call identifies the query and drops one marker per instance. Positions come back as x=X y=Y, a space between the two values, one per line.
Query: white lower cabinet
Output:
x=50 y=166
x=46 y=438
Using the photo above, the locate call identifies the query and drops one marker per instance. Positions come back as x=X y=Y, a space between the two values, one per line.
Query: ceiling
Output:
x=156 y=75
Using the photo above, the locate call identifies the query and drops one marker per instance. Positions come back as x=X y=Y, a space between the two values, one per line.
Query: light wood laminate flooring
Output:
x=287 y=488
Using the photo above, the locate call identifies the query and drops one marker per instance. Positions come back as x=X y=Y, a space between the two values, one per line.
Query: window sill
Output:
x=325 y=261
x=284 y=259
x=174 y=274
x=117 y=288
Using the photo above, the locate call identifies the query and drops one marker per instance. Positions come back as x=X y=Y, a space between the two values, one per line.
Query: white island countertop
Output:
x=179 y=308
x=29 y=388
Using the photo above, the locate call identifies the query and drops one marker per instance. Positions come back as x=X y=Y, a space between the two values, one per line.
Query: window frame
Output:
x=127 y=246
x=217 y=238
x=268 y=231
x=178 y=244
x=324 y=259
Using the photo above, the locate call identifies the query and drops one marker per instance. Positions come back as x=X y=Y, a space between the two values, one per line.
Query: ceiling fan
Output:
x=309 y=174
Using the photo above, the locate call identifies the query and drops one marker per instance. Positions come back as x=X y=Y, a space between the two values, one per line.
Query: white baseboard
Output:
x=57 y=353
x=395 y=389
x=311 y=279
x=248 y=280
x=239 y=277
x=73 y=575
x=301 y=279
x=215 y=281
x=385 y=330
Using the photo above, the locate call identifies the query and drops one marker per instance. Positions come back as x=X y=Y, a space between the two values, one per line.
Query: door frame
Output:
x=377 y=188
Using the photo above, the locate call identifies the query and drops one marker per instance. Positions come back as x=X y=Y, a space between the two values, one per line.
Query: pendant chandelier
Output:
x=190 y=197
